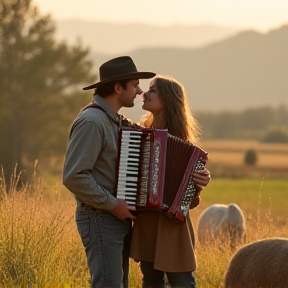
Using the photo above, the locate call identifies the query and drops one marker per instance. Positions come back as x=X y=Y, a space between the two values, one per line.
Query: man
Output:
x=103 y=221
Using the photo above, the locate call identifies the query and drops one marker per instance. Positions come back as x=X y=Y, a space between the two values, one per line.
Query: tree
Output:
x=250 y=157
x=38 y=80
x=276 y=135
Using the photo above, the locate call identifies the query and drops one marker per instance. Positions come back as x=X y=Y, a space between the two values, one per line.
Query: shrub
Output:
x=250 y=157
x=276 y=136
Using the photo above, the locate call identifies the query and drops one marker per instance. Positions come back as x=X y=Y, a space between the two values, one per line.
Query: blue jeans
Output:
x=103 y=237
x=153 y=278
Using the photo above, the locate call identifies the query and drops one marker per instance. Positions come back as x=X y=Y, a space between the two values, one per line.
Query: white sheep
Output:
x=259 y=264
x=222 y=223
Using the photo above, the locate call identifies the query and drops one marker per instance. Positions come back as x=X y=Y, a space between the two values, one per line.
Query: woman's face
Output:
x=151 y=100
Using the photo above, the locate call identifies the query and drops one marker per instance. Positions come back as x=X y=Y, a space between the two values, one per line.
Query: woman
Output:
x=163 y=245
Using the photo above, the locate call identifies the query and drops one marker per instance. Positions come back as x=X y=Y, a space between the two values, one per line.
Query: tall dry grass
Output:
x=40 y=246
x=39 y=243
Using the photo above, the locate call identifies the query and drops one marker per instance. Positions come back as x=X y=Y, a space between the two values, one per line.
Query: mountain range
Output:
x=243 y=70
x=115 y=38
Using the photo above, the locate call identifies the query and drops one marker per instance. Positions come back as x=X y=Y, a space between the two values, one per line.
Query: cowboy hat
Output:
x=119 y=68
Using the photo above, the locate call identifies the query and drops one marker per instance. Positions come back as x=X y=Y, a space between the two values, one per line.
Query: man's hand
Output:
x=122 y=212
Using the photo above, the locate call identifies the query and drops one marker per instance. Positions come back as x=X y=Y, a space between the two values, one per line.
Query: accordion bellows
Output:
x=154 y=171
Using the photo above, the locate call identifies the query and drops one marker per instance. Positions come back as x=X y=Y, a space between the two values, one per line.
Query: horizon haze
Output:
x=230 y=64
x=259 y=15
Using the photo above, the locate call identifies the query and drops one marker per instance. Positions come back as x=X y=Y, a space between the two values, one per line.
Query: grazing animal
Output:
x=224 y=223
x=259 y=264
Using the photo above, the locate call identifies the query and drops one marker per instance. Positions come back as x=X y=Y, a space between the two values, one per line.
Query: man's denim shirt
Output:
x=89 y=169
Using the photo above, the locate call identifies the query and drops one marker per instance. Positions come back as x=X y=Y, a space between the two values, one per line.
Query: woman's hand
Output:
x=201 y=178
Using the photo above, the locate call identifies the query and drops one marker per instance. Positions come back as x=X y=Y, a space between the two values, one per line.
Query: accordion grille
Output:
x=177 y=158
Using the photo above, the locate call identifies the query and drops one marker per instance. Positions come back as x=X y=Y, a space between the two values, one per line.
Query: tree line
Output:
x=41 y=80
x=265 y=124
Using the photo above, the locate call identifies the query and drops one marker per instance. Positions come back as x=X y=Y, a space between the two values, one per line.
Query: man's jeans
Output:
x=103 y=236
x=153 y=278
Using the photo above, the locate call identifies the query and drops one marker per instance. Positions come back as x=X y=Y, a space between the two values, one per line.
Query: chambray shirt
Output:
x=90 y=165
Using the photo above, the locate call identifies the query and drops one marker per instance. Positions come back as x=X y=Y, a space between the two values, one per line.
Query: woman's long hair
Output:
x=179 y=120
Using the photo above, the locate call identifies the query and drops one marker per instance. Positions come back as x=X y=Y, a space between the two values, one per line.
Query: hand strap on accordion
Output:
x=94 y=105
x=124 y=121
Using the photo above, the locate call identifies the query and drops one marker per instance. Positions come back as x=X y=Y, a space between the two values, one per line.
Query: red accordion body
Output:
x=154 y=170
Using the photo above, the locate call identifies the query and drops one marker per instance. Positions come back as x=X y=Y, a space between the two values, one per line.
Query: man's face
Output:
x=129 y=94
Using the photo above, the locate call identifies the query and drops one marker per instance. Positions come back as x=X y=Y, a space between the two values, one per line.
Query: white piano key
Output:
x=128 y=166
x=131 y=140
x=131 y=146
x=127 y=189
x=130 y=149
x=125 y=168
x=129 y=163
x=134 y=132
x=129 y=137
x=126 y=193
x=128 y=171
x=124 y=190
x=128 y=160
x=131 y=203
x=132 y=173
x=125 y=144
x=130 y=198
x=125 y=151
x=124 y=184
x=132 y=195
x=130 y=154
x=129 y=178
x=133 y=143
x=126 y=157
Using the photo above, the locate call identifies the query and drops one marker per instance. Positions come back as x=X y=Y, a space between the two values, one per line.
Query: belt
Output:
x=84 y=207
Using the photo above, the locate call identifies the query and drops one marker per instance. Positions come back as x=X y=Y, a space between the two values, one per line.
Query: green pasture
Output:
x=248 y=193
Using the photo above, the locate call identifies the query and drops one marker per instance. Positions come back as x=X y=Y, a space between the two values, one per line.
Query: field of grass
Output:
x=226 y=159
x=40 y=246
x=252 y=194
x=264 y=205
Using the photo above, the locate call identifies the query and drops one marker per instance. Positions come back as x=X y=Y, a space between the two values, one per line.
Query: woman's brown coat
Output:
x=166 y=242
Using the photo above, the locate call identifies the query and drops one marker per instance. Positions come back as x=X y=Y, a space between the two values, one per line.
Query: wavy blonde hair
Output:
x=179 y=119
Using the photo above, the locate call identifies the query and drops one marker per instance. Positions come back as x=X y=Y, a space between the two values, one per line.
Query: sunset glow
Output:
x=255 y=14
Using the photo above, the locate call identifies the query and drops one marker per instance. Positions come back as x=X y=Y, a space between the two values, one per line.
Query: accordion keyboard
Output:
x=128 y=174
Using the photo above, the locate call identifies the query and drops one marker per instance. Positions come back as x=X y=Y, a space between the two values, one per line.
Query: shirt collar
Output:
x=101 y=101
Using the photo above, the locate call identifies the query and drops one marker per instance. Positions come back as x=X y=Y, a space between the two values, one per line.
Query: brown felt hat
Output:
x=119 y=68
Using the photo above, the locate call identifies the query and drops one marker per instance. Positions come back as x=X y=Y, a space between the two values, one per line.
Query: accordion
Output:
x=154 y=170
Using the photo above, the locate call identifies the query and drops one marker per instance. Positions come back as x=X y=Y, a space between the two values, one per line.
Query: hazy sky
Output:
x=258 y=14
